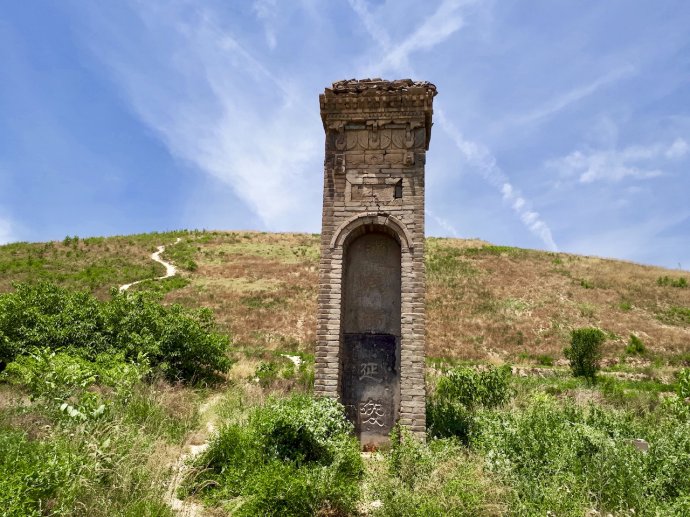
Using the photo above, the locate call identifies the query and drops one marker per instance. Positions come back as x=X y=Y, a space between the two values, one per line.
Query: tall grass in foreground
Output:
x=556 y=456
x=89 y=419
x=294 y=457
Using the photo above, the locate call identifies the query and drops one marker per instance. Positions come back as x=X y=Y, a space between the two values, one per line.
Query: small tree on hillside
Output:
x=584 y=352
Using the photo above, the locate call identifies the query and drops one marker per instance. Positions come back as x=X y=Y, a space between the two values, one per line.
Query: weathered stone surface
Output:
x=372 y=251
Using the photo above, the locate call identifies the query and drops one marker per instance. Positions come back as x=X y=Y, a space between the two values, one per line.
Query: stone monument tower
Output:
x=370 y=351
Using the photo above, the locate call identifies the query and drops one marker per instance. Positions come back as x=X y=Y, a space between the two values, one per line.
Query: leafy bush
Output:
x=635 y=346
x=488 y=388
x=97 y=465
x=683 y=387
x=545 y=360
x=295 y=456
x=459 y=392
x=266 y=372
x=179 y=343
x=584 y=352
x=668 y=281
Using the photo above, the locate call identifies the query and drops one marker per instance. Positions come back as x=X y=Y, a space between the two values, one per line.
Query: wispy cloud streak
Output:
x=571 y=97
x=6 y=231
x=443 y=223
x=481 y=160
x=434 y=30
x=202 y=104
x=638 y=162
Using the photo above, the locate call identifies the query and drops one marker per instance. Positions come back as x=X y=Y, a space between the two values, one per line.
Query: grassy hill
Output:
x=103 y=410
x=484 y=302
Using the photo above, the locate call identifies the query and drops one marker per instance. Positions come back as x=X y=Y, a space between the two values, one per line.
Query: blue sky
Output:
x=561 y=125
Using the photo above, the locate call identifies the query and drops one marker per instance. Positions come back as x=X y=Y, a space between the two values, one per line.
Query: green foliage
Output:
x=161 y=286
x=435 y=479
x=586 y=284
x=551 y=446
x=625 y=306
x=449 y=409
x=93 y=428
x=509 y=251
x=545 y=360
x=266 y=372
x=32 y=474
x=295 y=456
x=683 y=387
x=179 y=343
x=584 y=352
x=672 y=282
x=470 y=387
x=635 y=346
x=183 y=254
x=71 y=241
x=675 y=315
x=91 y=264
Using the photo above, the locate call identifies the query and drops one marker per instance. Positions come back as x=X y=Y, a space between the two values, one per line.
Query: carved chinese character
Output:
x=370 y=371
x=371 y=413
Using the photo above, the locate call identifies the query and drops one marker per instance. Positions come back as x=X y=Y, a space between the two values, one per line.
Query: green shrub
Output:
x=672 y=282
x=488 y=388
x=545 y=360
x=683 y=386
x=635 y=346
x=458 y=393
x=295 y=456
x=266 y=372
x=584 y=352
x=445 y=418
x=179 y=343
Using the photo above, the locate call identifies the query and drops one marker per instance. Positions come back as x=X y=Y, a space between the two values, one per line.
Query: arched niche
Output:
x=371 y=329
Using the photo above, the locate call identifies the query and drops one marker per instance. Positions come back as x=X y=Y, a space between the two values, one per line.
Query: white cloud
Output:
x=215 y=105
x=563 y=101
x=443 y=223
x=267 y=11
x=638 y=162
x=6 y=231
x=483 y=161
x=678 y=149
x=434 y=30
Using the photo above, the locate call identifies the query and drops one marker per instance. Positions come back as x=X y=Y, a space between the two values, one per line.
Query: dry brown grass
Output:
x=484 y=303
x=262 y=288
x=520 y=302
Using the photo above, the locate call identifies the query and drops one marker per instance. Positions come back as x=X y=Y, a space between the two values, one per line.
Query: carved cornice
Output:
x=377 y=104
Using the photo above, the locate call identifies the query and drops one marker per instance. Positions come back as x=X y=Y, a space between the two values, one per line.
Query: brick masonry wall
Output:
x=377 y=134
